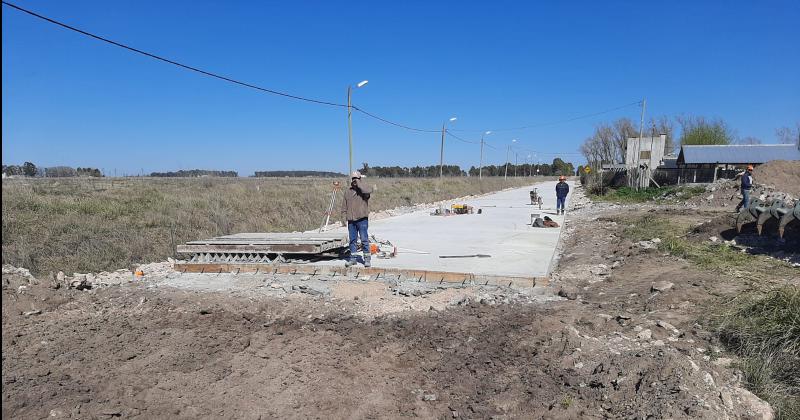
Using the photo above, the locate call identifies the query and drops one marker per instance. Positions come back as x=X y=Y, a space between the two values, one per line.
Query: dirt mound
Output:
x=783 y=175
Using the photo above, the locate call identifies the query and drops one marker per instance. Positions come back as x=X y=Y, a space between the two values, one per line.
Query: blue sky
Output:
x=71 y=100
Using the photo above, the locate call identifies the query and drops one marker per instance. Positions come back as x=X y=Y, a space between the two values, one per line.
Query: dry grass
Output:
x=83 y=225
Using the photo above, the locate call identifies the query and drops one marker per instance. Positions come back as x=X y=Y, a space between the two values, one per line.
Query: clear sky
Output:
x=71 y=100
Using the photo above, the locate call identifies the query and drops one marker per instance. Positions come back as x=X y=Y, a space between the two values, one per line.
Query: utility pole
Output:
x=508 y=157
x=350 y=126
x=516 y=159
x=480 y=165
x=639 y=147
x=441 y=153
x=350 y=118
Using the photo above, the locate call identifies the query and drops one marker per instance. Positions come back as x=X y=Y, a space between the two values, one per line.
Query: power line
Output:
x=284 y=94
x=211 y=74
x=594 y=114
x=166 y=60
x=461 y=139
x=421 y=130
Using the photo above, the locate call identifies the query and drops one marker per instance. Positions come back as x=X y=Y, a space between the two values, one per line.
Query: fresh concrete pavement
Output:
x=502 y=230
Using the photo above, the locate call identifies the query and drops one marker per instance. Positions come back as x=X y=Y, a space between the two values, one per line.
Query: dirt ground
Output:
x=617 y=334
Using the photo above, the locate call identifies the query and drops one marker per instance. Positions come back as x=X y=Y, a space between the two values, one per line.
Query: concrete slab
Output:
x=503 y=231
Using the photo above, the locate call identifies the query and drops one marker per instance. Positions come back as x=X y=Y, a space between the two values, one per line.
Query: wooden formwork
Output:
x=267 y=243
x=376 y=272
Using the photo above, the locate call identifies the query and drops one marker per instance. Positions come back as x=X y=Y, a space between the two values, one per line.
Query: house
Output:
x=709 y=156
x=707 y=163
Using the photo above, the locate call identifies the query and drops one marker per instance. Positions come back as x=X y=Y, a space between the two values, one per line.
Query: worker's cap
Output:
x=355 y=174
x=749 y=167
x=562 y=178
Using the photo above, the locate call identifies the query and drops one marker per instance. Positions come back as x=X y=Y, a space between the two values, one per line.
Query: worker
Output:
x=747 y=185
x=562 y=189
x=355 y=210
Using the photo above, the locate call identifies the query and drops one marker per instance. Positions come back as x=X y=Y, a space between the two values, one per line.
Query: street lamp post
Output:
x=350 y=119
x=441 y=151
x=508 y=157
x=480 y=167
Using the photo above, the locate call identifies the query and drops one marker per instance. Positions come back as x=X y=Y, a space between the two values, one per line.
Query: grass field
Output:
x=90 y=225
x=627 y=195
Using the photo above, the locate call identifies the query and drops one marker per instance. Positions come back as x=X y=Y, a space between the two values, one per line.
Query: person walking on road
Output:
x=355 y=210
x=747 y=185
x=562 y=189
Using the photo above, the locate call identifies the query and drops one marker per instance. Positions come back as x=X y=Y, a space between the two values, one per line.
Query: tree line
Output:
x=558 y=167
x=194 y=173
x=280 y=174
x=31 y=170
x=609 y=141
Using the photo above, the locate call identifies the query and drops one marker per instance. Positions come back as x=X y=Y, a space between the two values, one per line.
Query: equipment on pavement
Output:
x=536 y=198
x=466 y=256
x=461 y=209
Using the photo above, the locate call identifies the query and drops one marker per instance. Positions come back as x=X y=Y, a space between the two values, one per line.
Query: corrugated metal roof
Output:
x=738 y=153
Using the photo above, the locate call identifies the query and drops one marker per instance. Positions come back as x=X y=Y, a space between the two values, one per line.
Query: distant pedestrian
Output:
x=355 y=210
x=747 y=185
x=562 y=189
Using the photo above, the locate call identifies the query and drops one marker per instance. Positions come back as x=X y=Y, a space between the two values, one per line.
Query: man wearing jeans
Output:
x=355 y=209
x=747 y=185
x=562 y=189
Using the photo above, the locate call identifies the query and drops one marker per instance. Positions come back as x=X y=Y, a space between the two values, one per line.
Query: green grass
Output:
x=90 y=225
x=764 y=331
x=627 y=195
x=715 y=257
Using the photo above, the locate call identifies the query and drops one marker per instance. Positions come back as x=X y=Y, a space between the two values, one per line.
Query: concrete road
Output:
x=502 y=231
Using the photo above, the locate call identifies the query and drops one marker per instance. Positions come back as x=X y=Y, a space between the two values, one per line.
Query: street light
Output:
x=508 y=157
x=441 y=151
x=480 y=167
x=350 y=118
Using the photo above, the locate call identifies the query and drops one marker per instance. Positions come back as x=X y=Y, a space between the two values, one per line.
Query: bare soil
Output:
x=783 y=175
x=614 y=347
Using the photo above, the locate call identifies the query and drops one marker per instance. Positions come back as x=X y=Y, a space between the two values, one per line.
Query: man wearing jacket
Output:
x=747 y=185
x=355 y=210
x=562 y=189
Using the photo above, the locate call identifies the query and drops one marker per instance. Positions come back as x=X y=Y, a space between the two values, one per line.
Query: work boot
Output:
x=367 y=260
x=350 y=262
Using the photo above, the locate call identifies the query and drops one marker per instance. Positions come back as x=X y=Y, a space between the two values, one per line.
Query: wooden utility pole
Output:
x=480 y=165
x=639 y=147
x=350 y=126
x=441 y=152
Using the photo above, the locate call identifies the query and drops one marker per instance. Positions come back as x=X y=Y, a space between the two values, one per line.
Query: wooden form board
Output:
x=267 y=243
x=376 y=272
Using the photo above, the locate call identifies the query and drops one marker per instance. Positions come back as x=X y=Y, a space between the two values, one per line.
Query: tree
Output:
x=788 y=135
x=562 y=168
x=663 y=125
x=698 y=130
x=29 y=169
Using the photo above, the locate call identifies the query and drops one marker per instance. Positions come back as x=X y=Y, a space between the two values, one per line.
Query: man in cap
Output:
x=355 y=210
x=562 y=189
x=747 y=185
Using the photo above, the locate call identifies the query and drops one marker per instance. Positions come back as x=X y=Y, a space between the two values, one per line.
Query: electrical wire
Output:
x=525 y=127
x=289 y=95
x=167 y=60
x=449 y=133
x=211 y=74
x=421 y=130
